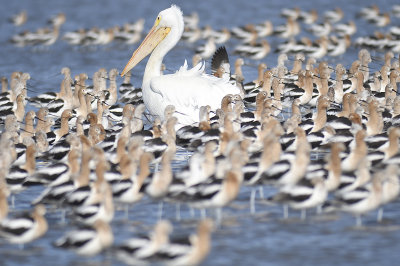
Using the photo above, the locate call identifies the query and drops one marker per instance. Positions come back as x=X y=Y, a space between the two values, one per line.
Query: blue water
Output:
x=243 y=239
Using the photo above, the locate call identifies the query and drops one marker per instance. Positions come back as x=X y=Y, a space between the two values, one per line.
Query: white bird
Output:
x=87 y=241
x=26 y=227
x=207 y=49
x=187 y=89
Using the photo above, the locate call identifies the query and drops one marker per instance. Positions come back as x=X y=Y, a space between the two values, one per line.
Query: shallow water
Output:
x=243 y=239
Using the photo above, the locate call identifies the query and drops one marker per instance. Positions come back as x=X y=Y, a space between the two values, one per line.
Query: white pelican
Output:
x=187 y=89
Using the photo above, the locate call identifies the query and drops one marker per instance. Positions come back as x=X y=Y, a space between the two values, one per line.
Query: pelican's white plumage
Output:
x=187 y=89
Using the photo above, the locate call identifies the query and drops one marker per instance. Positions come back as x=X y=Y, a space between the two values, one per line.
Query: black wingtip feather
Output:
x=220 y=57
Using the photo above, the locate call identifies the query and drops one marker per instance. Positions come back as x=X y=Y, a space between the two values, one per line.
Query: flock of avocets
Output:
x=87 y=146
x=330 y=37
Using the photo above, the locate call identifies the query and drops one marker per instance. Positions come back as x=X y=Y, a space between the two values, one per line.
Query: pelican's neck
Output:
x=153 y=67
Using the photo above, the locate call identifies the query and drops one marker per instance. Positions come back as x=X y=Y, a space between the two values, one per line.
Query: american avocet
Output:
x=365 y=58
x=380 y=20
x=82 y=189
x=271 y=152
x=351 y=180
x=78 y=175
x=346 y=29
x=29 y=130
x=58 y=19
x=305 y=93
x=297 y=64
x=126 y=85
x=218 y=192
x=191 y=20
x=102 y=206
x=255 y=51
x=318 y=49
x=396 y=10
x=87 y=241
x=8 y=155
x=307 y=193
x=391 y=146
x=192 y=253
x=338 y=87
x=390 y=186
x=201 y=166
x=375 y=120
x=18 y=174
x=45 y=36
x=137 y=250
x=207 y=49
x=249 y=86
x=357 y=154
x=246 y=34
x=332 y=166
x=293 y=13
x=320 y=30
x=334 y=15
x=251 y=96
x=133 y=31
x=58 y=151
x=75 y=37
x=224 y=35
x=160 y=181
x=127 y=190
x=290 y=171
x=4 y=193
x=4 y=87
x=309 y=17
x=290 y=29
x=11 y=131
x=26 y=227
x=338 y=46
x=188 y=135
x=166 y=32
x=41 y=115
x=166 y=142
x=320 y=118
x=18 y=84
x=369 y=11
x=64 y=129
x=112 y=96
x=47 y=97
x=20 y=18
x=362 y=200
x=18 y=111
x=191 y=35
x=56 y=173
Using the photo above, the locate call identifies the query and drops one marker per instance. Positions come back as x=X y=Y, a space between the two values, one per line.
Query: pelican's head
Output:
x=168 y=22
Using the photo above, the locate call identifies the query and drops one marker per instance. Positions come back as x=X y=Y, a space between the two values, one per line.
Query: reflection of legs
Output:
x=218 y=214
x=203 y=213
x=358 y=220
x=303 y=214
x=160 y=210
x=285 y=211
x=178 y=211
x=252 y=199
x=63 y=214
x=380 y=215
x=319 y=209
x=126 y=211
x=261 y=192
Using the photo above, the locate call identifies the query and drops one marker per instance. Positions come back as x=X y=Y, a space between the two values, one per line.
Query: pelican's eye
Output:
x=157 y=21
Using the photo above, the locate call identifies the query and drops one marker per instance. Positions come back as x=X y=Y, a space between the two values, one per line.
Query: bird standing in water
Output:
x=187 y=89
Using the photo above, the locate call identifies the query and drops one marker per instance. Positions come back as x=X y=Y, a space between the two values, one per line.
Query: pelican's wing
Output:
x=191 y=89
